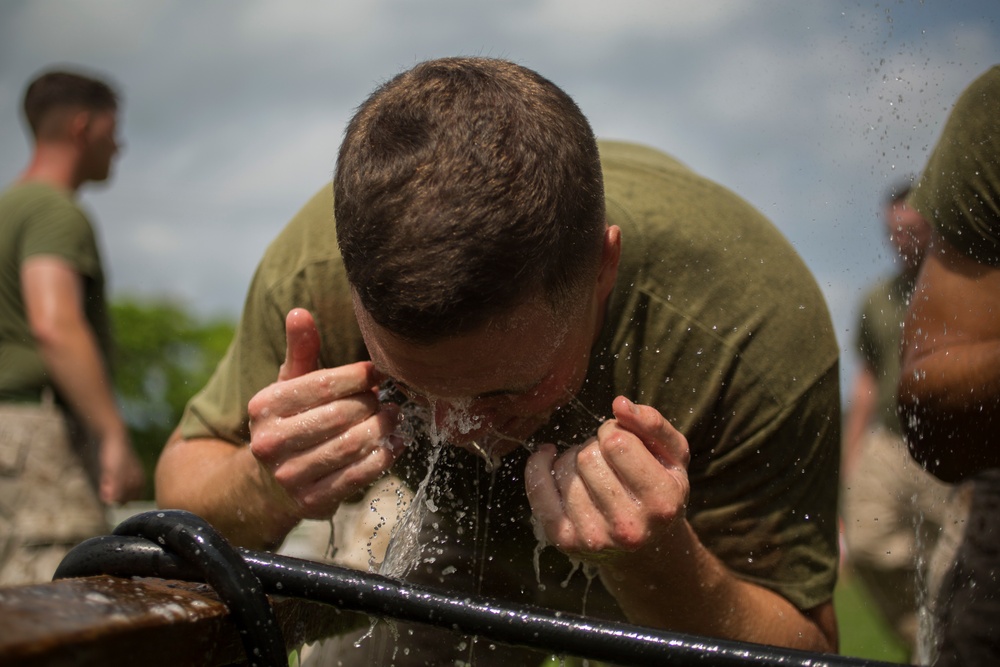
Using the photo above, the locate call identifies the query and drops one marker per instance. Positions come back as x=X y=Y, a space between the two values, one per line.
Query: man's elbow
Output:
x=165 y=475
x=55 y=333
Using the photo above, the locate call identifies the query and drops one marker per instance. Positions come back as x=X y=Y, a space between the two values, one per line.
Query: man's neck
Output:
x=53 y=165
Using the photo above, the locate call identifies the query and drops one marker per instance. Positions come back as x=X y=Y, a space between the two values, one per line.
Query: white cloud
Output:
x=97 y=28
x=598 y=19
x=265 y=21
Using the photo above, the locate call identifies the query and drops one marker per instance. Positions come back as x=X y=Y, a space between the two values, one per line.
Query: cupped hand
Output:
x=321 y=434
x=619 y=492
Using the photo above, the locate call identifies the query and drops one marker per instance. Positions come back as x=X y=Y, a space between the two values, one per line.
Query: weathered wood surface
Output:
x=150 y=622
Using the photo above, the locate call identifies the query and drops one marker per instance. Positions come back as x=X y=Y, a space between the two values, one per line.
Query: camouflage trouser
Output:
x=894 y=513
x=48 y=503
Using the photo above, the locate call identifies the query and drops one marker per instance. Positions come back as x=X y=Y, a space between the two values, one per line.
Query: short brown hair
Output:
x=61 y=89
x=463 y=187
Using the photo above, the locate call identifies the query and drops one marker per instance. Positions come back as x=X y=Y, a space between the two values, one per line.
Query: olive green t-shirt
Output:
x=959 y=189
x=714 y=320
x=880 y=329
x=37 y=219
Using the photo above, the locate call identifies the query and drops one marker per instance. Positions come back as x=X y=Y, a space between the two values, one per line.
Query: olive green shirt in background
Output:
x=38 y=219
x=880 y=330
x=959 y=189
x=715 y=321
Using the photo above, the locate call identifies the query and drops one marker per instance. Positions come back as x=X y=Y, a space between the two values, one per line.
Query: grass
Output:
x=863 y=631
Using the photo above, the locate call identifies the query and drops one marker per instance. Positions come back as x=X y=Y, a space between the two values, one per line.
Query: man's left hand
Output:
x=617 y=492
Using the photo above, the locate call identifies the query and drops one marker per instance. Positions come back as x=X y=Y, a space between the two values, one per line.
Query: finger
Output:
x=308 y=420
x=605 y=486
x=645 y=477
x=589 y=525
x=662 y=440
x=301 y=345
x=347 y=448
x=320 y=498
x=543 y=494
x=316 y=389
x=326 y=475
x=660 y=492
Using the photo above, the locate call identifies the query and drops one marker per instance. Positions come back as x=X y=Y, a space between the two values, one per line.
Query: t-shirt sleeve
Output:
x=58 y=227
x=251 y=363
x=959 y=190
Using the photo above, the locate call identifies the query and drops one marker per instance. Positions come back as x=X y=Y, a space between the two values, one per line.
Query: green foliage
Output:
x=163 y=355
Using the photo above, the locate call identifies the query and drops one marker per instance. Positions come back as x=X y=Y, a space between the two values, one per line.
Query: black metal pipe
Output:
x=520 y=625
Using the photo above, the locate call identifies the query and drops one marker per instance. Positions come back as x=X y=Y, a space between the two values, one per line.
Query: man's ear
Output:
x=611 y=255
x=78 y=125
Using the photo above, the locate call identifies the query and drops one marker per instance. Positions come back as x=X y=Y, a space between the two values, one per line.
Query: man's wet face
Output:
x=493 y=388
x=909 y=233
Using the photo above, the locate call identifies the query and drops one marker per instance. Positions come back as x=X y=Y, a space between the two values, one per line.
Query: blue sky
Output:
x=234 y=110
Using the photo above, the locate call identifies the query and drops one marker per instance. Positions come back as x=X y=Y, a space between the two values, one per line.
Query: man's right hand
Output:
x=321 y=434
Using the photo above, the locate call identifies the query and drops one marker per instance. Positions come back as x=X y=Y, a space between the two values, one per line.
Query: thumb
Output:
x=301 y=345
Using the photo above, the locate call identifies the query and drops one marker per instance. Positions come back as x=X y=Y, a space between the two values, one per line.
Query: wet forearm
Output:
x=223 y=483
x=687 y=589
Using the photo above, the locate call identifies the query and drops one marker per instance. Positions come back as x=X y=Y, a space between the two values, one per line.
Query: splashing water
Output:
x=481 y=560
x=404 y=551
x=404 y=546
x=543 y=542
x=491 y=460
x=925 y=621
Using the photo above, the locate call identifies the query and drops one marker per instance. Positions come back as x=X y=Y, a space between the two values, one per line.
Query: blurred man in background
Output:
x=949 y=390
x=893 y=509
x=64 y=449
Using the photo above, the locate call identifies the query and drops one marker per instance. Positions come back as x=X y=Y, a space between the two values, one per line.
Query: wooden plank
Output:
x=154 y=622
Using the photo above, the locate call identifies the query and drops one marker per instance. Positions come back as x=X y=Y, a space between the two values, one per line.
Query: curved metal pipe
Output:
x=521 y=625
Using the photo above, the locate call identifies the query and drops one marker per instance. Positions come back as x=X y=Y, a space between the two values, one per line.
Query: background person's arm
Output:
x=53 y=294
x=860 y=412
x=949 y=390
